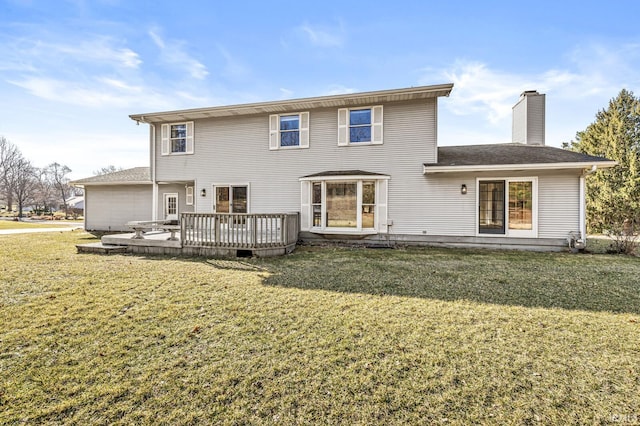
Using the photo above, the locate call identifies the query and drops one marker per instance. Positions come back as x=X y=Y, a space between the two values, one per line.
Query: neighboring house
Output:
x=362 y=167
x=75 y=204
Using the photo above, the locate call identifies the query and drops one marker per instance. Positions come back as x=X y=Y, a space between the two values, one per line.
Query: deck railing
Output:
x=238 y=230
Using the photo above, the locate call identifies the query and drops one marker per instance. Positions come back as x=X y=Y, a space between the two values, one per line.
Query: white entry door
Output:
x=171 y=206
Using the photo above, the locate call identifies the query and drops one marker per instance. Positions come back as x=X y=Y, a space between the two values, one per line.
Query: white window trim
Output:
x=189 y=197
x=230 y=185
x=510 y=233
x=380 y=205
x=377 y=127
x=165 y=136
x=274 y=131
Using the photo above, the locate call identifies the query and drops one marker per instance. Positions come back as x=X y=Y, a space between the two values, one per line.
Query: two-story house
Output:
x=360 y=167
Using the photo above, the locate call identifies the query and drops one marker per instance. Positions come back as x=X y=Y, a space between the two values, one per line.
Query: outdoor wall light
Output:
x=203 y=192
x=463 y=189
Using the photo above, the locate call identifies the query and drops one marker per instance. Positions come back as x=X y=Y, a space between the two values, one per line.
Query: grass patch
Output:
x=327 y=335
x=10 y=224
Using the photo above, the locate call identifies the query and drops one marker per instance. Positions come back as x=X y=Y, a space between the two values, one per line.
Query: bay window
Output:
x=345 y=204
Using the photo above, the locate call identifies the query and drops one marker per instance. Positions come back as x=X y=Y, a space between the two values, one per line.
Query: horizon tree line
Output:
x=24 y=185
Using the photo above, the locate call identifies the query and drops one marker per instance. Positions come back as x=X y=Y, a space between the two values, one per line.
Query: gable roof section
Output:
x=510 y=156
x=277 y=107
x=135 y=176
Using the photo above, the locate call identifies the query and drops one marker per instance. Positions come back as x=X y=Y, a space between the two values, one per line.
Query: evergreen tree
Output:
x=613 y=195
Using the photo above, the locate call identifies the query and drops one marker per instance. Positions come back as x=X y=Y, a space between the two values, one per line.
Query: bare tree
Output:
x=57 y=174
x=44 y=194
x=9 y=155
x=22 y=181
x=106 y=170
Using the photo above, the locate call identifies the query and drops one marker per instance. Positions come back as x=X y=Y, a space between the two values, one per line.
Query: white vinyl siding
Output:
x=559 y=205
x=109 y=208
x=233 y=149
x=528 y=121
x=452 y=213
x=446 y=211
x=175 y=188
x=275 y=132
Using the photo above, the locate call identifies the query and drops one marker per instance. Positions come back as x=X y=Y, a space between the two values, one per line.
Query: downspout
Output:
x=154 y=190
x=583 y=203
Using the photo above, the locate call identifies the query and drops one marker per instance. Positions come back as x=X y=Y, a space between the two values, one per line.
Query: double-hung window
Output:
x=345 y=204
x=508 y=207
x=177 y=138
x=360 y=126
x=289 y=130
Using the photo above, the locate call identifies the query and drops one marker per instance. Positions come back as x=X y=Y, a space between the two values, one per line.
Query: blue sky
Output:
x=72 y=71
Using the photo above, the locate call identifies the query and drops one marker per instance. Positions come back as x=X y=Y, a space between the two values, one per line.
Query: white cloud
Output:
x=100 y=92
x=324 y=36
x=337 y=89
x=286 y=93
x=594 y=71
x=233 y=68
x=96 y=50
x=485 y=95
x=174 y=53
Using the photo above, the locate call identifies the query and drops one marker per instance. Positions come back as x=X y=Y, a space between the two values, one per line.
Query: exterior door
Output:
x=231 y=199
x=508 y=207
x=491 y=207
x=171 y=206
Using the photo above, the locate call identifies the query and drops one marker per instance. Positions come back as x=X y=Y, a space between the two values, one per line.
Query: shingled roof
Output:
x=334 y=173
x=510 y=156
x=135 y=176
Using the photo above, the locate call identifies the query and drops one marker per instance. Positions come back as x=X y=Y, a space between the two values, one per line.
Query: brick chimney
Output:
x=528 y=119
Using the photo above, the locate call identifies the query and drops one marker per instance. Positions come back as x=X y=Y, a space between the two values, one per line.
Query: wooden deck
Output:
x=214 y=234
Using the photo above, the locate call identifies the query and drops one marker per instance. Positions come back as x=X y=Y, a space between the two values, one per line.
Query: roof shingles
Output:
x=138 y=175
x=510 y=153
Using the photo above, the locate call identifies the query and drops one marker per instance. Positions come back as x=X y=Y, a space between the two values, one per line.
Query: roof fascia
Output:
x=431 y=169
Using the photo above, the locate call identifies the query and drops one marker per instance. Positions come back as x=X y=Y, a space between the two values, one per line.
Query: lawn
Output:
x=323 y=336
x=10 y=224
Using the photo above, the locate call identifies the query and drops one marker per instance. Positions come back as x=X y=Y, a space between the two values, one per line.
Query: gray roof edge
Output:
x=436 y=89
x=569 y=157
x=133 y=176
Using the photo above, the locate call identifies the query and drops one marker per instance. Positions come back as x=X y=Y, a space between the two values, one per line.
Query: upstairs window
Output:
x=360 y=126
x=177 y=138
x=289 y=131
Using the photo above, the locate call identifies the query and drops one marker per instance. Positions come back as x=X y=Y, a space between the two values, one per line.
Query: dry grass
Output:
x=10 y=224
x=322 y=336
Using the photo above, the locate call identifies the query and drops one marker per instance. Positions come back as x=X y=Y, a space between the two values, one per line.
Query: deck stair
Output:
x=100 y=248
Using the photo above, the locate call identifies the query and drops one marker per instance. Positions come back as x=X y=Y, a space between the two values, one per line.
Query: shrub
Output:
x=623 y=238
